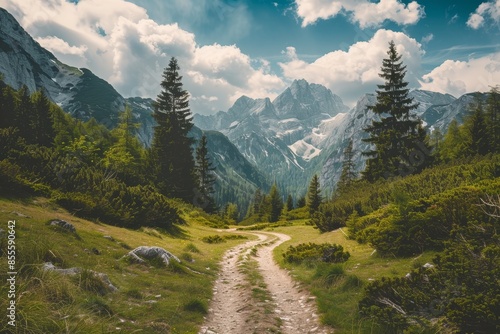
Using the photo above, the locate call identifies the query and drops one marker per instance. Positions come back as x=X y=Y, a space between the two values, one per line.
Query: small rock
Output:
x=428 y=265
x=20 y=214
x=63 y=224
x=96 y=251
x=109 y=237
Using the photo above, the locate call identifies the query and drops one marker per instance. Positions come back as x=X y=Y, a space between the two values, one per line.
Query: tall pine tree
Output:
x=399 y=142
x=206 y=178
x=478 y=141
x=276 y=204
x=171 y=157
x=493 y=119
x=314 y=198
x=348 y=169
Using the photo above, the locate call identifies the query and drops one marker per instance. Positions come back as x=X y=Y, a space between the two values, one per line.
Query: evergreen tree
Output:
x=314 y=198
x=478 y=142
x=289 y=203
x=206 y=178
x=24 y=119
x=126 y=154
x=399 y=141
x=231 y=212
x=348 y=173
x=257 y=202
x=452 y=146
x=7 y=107
x=301 y=202
x=42 y=126
x=171 y=157
x=493 y=119
x=276 y=204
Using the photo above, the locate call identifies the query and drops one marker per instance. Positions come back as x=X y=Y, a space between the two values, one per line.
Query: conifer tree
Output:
x=301 y=202
x=7 y=107
x=171 y=157
x=125 y=155
x=398 y=139
x=24 y=116
x=348 y=169
x=289 y=203
x=42 y=123
x=493 y=119
x=314 y=198
x=476 y=126
x=452 y=146
x=276 y=204
x=205 y=176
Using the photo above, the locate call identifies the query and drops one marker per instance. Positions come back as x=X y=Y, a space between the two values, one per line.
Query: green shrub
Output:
x=197 y=306
x=213 y=239
x=330 y=253
x=191 y=248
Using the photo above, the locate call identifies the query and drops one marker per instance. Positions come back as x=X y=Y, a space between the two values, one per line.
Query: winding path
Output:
x=232 y=310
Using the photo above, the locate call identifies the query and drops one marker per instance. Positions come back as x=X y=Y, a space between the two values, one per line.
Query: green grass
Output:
x=150 y=299
x=339 y=287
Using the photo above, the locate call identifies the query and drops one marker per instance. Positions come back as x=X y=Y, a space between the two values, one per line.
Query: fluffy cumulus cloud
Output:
x=484 y=12
x=121 y=44
x=460 y=77
x=351 y=73
x=364 y=12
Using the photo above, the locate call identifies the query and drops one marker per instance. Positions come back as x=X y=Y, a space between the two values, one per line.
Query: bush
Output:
x=213 y=239
x=330 y=253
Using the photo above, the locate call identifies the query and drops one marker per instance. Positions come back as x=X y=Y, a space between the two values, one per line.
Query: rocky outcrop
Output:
x=142 y=254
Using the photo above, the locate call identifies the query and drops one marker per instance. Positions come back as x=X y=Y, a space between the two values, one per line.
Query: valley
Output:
x=289 y=211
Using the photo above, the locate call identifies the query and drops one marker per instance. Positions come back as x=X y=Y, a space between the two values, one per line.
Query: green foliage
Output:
x=213 y=239
x=171 y=158
x=276 y=204
x=330 y=253
x=348 y=175
x=314 y=198
x=398 y=138
x=196 y=305
x=460 y=292
x=366 y=198
x=217 y=239
x=206 y=179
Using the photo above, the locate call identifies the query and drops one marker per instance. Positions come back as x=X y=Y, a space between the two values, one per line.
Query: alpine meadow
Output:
x=240 y=166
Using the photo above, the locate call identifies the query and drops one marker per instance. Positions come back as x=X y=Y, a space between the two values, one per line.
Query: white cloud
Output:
x=486 y=10
x=351 y=73
x=426 y=39
x=364 y=12
x=460 y=77
x=58 y=45
x=120 y=43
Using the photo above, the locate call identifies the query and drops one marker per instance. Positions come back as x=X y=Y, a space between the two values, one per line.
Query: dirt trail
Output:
x=232 y=310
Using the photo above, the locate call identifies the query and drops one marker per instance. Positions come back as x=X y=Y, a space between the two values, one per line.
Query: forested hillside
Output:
x=425 y=193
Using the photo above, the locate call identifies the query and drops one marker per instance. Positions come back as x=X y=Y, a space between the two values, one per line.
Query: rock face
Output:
x=143 y=253
x=306 y=129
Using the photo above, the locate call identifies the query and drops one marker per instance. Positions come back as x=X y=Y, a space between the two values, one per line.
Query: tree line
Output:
x=100 y=173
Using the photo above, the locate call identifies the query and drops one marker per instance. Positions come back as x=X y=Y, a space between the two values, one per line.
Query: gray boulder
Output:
x=143 y=253
x=63 y=224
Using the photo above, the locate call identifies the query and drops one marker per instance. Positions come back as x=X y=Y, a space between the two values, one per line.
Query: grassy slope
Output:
x=150 y=299
x=338 y=295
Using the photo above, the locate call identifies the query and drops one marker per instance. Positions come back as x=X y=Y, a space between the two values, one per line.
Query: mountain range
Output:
x=254 y=143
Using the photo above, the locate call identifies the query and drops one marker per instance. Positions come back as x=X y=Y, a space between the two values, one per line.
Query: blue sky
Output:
x=229 y=48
